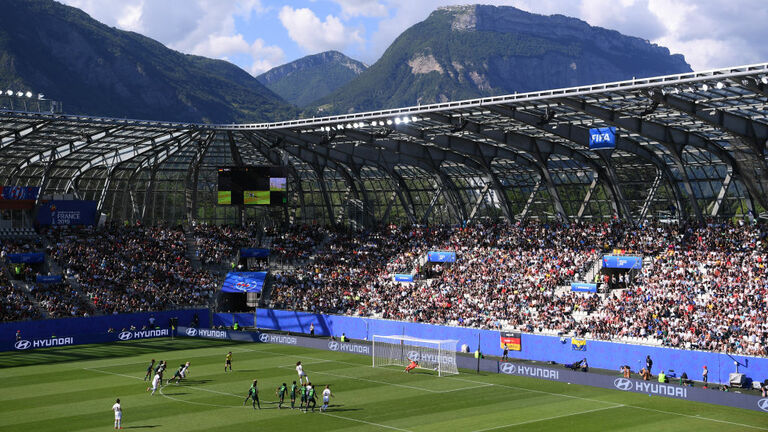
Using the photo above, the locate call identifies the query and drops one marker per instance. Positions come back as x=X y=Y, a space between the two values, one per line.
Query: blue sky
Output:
x=260 y=34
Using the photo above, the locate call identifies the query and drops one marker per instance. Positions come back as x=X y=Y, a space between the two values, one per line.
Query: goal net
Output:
x=437 y=355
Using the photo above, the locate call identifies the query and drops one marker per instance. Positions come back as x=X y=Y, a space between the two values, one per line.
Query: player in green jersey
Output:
x=253 y=393
x=294 y=388
x=280 y=392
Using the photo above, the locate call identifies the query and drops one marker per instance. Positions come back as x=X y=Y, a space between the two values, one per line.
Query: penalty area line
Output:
x=363 y=421
x=548 y=418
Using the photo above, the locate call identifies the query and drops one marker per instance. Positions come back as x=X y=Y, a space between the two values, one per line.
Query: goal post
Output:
x=437 y=355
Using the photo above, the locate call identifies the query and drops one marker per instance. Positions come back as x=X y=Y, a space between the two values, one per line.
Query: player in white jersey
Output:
x=156 y=381
x=326 y=398
x=118 y=414
x=300 y=371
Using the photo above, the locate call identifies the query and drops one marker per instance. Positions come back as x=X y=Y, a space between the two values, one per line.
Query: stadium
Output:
x=587 y=258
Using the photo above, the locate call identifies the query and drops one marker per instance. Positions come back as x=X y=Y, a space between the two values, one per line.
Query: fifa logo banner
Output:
x=511 y=340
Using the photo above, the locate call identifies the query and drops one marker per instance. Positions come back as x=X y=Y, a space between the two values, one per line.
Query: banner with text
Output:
x=439 y=257
x=254 y=253
x=67 y=212
x=622 y=262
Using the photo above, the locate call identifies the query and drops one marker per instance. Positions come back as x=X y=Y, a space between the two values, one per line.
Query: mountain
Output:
x=465 y=52
x=50 y=48
x=308 y=79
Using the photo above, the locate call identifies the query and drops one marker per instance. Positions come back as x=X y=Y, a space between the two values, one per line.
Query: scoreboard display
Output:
x=252 y=186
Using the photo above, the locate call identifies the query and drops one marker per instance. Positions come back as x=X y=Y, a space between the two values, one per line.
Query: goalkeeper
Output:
x=411 y=366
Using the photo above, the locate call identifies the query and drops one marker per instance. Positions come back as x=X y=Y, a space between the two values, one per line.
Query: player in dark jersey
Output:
x=150 y=368
x=310 y=398
x=253 y=393
x=294 y=388
x=280 y=392
x=303 y=392
x=160 y=367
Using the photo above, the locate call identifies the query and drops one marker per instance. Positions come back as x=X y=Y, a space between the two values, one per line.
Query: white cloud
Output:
x=314 y=35
x=265 y=57
x=365 y=8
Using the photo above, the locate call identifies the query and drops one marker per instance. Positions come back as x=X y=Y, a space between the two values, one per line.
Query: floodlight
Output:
x=397 y=120
x=373 y=123
x=9 y=92
x=40 y=96
x=720 y=85
x=704 y=87
x=19 y=94
x=764 y=79
x=28 y=94
x=349 y=126
x=406 y=120
x=413 y=119
x=389 y=122
x=381 y=122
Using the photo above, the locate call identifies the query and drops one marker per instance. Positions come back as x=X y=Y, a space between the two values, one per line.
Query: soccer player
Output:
x=303 y=392
x=253 y=394
x=411 y=366
x=326 y=398
x=150 y=368
x=160 y=367
x=179 y=373
x=280 y=393
x=294 y=387
x=118 y=414
x=300 y=371
x=310 y=397
x=228 y=362
x=156 y=381
x=185 y=371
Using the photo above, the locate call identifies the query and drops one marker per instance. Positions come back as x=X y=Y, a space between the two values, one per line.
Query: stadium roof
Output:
x=688 y=146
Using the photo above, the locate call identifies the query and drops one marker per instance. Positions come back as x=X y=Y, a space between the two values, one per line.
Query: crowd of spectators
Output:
x=705 y=285
x=61 y=301
x=219 y=244
x=14 y=304
x=129 y=269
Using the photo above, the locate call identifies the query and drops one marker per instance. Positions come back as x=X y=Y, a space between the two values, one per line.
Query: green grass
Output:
x=73 y=389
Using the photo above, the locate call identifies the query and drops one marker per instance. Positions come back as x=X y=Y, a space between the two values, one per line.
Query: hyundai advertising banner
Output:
x=69 y=212
x=35 y=343
x=240 y=282
x=439 y=257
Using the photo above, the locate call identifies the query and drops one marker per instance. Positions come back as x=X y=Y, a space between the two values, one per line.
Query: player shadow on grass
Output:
x=142 y=427
x=189 y=381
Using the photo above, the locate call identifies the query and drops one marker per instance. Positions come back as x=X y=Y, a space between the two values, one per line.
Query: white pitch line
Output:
x=366 y=422
x=626 y=405
x=548 y=418
x=161 y=387
x=698 y=417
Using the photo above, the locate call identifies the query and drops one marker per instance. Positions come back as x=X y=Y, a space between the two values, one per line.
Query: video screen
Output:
x=253 y=186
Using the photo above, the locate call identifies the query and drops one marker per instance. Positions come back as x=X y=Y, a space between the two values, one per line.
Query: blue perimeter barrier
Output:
x=552 y=373
x=91 y=329
x=600 y=354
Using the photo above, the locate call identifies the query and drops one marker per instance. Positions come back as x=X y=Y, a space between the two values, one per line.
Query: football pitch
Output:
x=73 y=389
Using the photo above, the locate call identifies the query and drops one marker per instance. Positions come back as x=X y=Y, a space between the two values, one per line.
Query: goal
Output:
x=437 y=355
